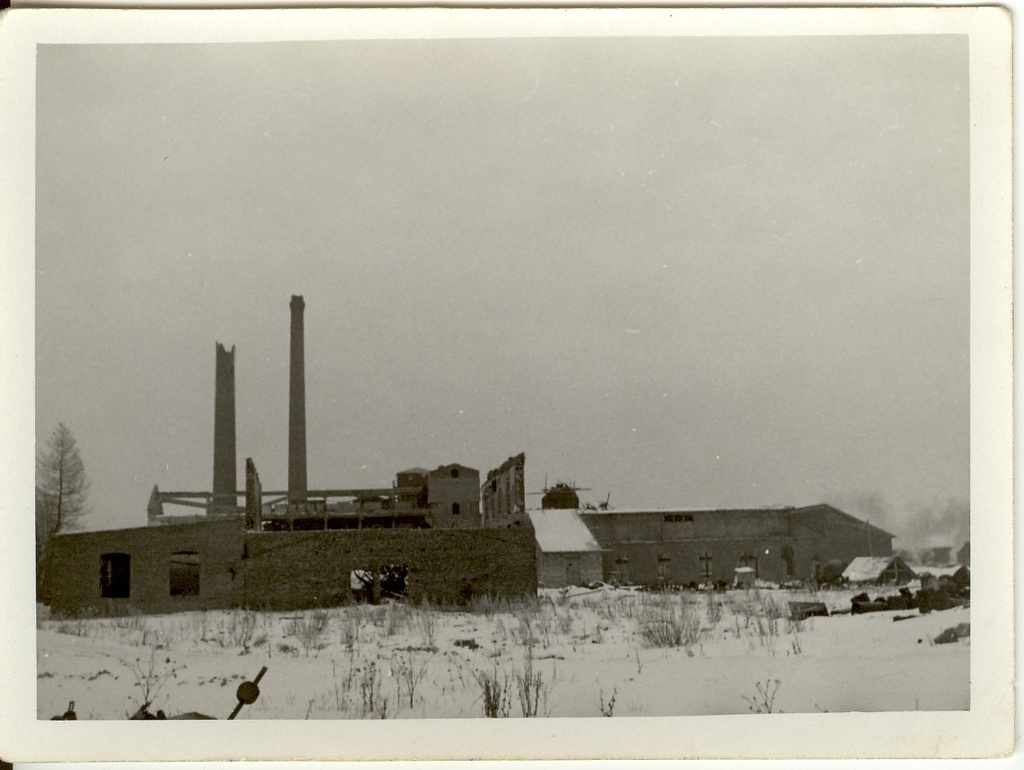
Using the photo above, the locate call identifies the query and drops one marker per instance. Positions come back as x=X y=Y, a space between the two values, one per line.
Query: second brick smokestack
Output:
x=297 y=407
x=224 y=474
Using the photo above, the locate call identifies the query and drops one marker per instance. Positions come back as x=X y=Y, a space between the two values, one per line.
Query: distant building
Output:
x=453 y=497
x=567 y=553
x=963 y=556
x=683 y=546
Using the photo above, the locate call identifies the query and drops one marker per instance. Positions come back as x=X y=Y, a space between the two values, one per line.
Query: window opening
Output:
x=184 y=573
x=115 y=575
x=394 y=580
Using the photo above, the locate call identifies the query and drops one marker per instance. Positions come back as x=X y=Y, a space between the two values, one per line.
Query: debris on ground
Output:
x=801 y=610
x=954 y=634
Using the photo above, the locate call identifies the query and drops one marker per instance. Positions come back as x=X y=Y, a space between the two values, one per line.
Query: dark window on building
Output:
x=115 y=576
x=455 y=509
x=185 y=573
x=678 y=526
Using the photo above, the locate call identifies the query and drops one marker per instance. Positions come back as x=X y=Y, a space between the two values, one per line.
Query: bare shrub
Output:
x=410 y=671
x=309 y=628
x=75 y=627
x=530 y=687
x=426 y=622
x=240 y=628
x=670 y=625
x=343 y=683
x=714 y=610
x=607 y=708
x=494 y=687
x=486 y=605
x=523 y=632
x=396 y=618
x=350 y=628
x=763 y=702
x=150 y=676
x=374 y=703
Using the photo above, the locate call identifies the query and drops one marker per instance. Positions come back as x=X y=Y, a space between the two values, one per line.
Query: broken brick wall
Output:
x=504 y=494
x=295 y=570
x=75 y=581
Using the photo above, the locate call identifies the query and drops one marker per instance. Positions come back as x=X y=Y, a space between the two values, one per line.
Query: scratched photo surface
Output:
x=532 y=377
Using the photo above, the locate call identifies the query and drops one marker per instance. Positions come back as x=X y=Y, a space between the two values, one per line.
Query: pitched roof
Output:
x=561 y=531
x=678 y=509
x=825 y=508
x=865 y=569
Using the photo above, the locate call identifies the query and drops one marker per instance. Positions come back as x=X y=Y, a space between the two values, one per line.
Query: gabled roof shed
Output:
x=878 y=570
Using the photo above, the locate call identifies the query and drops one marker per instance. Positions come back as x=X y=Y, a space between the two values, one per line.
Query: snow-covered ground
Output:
x=570 y=654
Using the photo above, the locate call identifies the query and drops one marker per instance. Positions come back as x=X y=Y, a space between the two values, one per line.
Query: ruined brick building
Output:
x=423 y=537
x=434 y=534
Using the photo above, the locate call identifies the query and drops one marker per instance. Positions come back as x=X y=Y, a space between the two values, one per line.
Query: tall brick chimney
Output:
x=297 y=408
x=224 y=470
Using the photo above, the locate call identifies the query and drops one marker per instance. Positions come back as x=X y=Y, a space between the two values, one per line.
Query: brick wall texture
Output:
x=287 y=570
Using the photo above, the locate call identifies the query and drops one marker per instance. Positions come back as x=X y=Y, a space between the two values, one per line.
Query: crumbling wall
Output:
x=294 y=570
x=75 y=574
x=504 y=494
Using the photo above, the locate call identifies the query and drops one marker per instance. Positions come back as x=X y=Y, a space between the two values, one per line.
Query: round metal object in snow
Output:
x=248 y=692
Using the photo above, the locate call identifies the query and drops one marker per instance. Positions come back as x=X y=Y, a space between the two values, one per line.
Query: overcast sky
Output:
x=685 y=272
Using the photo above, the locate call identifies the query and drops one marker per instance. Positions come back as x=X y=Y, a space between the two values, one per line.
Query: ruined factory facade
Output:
x=220 y=564
x=434 y=534
x=421 y=538
x=683 y=547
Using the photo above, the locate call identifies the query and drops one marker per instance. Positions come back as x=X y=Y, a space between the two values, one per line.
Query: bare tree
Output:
x=61 y=489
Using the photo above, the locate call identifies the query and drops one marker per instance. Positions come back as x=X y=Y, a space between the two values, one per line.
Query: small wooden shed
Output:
x=567 y=554
x=878 y=570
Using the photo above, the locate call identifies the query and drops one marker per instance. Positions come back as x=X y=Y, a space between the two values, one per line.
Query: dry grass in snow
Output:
x=609 y=652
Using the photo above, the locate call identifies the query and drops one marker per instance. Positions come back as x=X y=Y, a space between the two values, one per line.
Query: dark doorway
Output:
x=115 y=576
